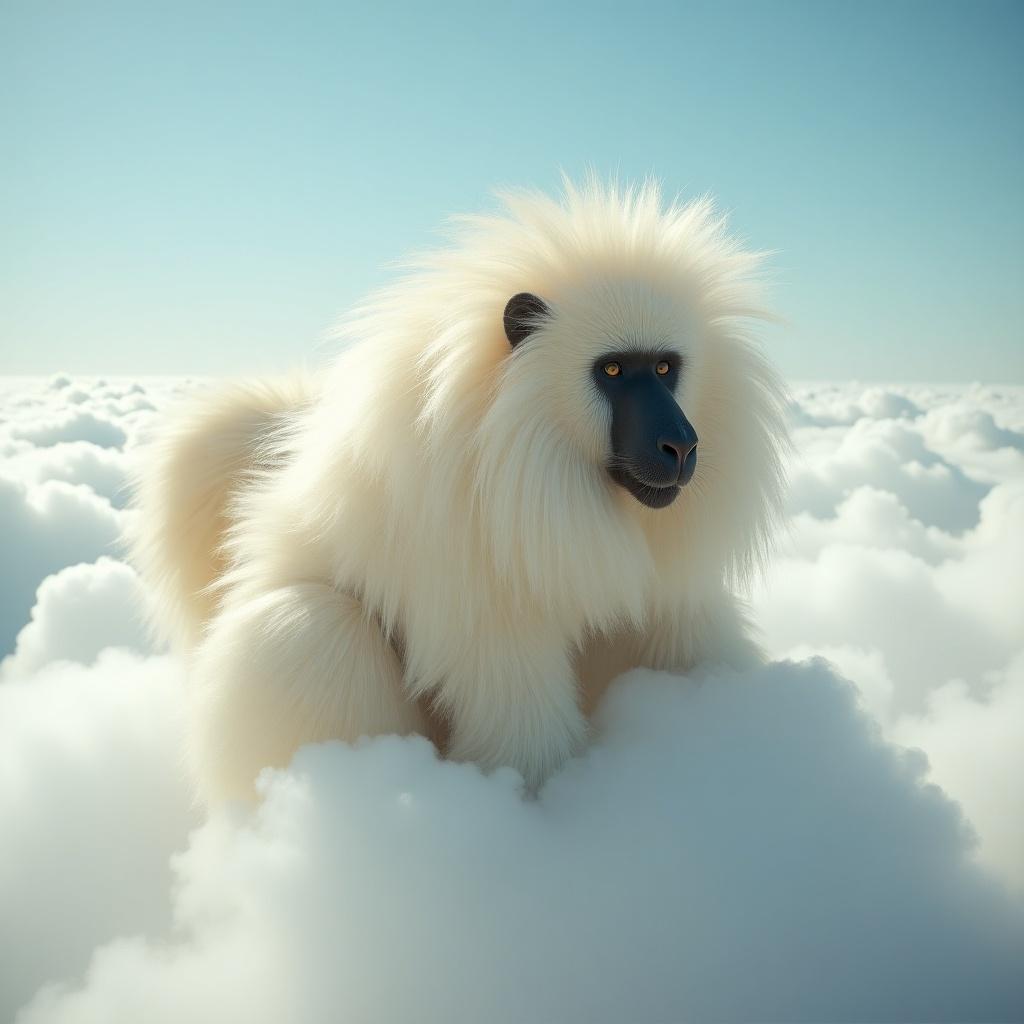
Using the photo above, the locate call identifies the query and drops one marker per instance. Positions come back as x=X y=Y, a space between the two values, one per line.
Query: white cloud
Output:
x=835 y=405
x=92 y=804
x=871 y=518
x=989 y=578
x=63 y=448
x=884 y=600
x=66 y=410
x=892 y=456
x=79 y=612
x=923 y=619
x=42 y=529
x=974 y=747
x=73 y=426
x=733 y=848
x=104 y=470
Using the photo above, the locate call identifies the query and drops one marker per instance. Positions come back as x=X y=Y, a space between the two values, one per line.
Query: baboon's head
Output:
x=636 y=375
x=586 y=388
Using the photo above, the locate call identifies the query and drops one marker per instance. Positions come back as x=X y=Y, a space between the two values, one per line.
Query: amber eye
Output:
x=612 y=369
x=662 y=368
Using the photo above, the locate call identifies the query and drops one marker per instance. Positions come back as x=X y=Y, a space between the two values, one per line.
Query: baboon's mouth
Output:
x=655 y=495
x=646 y=494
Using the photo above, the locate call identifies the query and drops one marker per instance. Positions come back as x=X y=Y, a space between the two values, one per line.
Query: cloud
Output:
x=93 y=802
x=44 y=528
x=732 y=847
x=73 y=426
x=892 y=456
x=975 y=752
x=64 y=444
x=884 y=600
x=79 y=612
x=989 y=578
x=66 y=410
x=927 y=598
x=834 y=405
x=962 y=425
x=871 y=518
x=104 y=470
x=925 y=620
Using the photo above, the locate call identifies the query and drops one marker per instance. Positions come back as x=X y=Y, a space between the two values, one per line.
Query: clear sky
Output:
x=202 y=187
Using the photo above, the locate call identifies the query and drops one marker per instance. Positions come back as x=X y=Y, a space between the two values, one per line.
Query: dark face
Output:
x=653 y=445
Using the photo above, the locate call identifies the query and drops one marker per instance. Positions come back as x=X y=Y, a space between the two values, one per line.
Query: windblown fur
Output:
x=431 y=541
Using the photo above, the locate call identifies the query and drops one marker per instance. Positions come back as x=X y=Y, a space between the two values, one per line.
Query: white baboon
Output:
x=541 y=458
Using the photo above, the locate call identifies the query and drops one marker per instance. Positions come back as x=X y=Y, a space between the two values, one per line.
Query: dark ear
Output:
x=523 y=315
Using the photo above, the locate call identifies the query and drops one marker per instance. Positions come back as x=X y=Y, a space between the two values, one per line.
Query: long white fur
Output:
x=434 y=528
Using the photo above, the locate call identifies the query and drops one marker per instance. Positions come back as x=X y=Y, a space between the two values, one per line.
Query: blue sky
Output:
x=204 y=187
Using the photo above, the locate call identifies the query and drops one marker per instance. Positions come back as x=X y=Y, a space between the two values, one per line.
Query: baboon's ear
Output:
x=523 y=314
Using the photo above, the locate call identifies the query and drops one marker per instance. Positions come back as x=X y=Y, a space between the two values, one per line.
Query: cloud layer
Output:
x=731 y=847
x=745 y=846
x=93 y=802
x=922 y=609
x=79 y=612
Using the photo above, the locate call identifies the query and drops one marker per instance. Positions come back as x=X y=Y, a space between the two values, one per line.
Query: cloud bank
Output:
x=732 y=847
x=923 y=610
x=79 y=612
x=93 y=802
x=769 y=845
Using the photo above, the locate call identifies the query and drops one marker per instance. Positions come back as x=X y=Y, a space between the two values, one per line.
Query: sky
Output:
x=204 y=188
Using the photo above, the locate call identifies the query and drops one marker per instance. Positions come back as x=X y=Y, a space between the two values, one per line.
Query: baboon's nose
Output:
x=675 y=450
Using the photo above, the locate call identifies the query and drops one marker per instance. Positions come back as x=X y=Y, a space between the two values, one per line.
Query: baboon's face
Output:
x=651 y=445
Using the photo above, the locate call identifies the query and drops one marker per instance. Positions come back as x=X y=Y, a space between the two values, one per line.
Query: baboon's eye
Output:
x=662 y=368
x=612 y=369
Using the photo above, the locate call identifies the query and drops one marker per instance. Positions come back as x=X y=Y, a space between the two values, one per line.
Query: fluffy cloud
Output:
x=79 y=612
x=63 y=466
x=92 y=804
x=926 y=620
x=42 y=529
x=976 y=755
x=732 y=847
x=65 y=410
x=104 y=470
x=887 y=601
x=73 y=426
x=835 y=405
x=892 y=456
